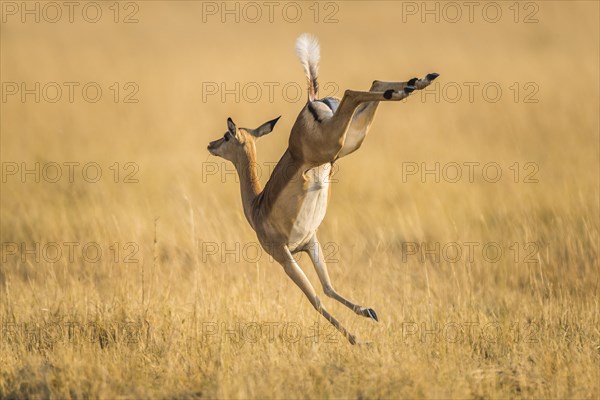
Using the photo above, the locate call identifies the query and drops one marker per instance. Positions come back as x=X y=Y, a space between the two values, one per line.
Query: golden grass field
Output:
x=181 y=302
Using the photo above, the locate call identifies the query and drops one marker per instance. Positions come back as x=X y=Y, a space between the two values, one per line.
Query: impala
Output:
x=287 y=213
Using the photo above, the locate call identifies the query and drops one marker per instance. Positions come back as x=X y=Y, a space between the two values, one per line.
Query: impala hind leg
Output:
x=330 y=134
x=315 y=252
x=419 y=84
x=317 y=140
x=297 y=275
x=364 y=114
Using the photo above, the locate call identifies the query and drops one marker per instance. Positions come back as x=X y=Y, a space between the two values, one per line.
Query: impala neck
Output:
x=246 y=167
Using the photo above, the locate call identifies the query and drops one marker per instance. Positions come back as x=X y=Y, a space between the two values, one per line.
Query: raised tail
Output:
x=308 y=51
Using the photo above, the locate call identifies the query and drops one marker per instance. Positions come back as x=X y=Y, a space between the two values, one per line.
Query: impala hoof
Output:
x=372 y=314
x=412 y=81
x=409 y=89
x=432 y=76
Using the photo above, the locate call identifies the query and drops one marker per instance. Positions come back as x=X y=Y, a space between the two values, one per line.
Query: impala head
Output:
x=239 y=141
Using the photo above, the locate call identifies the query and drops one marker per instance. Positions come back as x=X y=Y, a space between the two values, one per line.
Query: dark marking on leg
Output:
x=388 y=94
x=412 y=82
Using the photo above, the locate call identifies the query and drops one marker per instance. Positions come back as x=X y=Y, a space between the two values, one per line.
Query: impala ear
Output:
x=265 y=128
x=231 y=127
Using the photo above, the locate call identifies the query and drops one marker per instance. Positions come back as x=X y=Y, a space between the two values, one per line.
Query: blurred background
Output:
x=136 y=90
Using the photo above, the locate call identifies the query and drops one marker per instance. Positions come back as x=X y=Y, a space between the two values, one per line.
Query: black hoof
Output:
x=409 y=89
x=372 y=314
x=432 y=76
x=388 y=94
x=412 y=81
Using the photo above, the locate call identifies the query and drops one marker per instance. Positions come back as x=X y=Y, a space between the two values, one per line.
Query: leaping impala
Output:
x=288 y=211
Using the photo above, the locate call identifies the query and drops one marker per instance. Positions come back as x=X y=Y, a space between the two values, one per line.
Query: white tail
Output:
x=308 y=51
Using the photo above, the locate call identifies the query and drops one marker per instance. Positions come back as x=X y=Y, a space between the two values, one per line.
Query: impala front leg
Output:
x=297 y=275
x=315 y=252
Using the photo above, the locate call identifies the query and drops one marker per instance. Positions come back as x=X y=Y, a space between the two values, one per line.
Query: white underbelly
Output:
x=313 y=207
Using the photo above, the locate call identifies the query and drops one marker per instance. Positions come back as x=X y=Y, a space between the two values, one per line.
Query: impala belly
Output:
x=312 y=207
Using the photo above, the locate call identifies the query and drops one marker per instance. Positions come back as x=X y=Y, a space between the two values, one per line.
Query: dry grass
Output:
x=179 y=323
